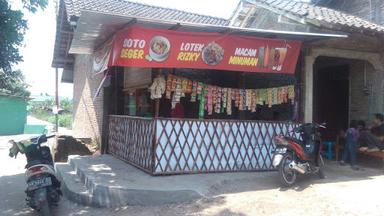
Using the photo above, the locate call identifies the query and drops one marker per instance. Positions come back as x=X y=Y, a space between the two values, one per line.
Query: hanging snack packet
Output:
x=241 y=99
x=269 y=95
x=237 y=97
x=194 y=91
x=229 y=101
x=218 y=100
x=168 y=89
x=223 y=99
x=202 y=102
x=210 y=100
x=199 y=90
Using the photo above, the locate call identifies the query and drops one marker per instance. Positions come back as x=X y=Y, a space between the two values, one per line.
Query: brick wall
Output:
x=362 y=103
x=88 y=114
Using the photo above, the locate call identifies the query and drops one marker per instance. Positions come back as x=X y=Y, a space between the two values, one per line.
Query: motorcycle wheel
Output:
x=41 y=197
x=44 y=209
x=287 y=175
x=321 y=172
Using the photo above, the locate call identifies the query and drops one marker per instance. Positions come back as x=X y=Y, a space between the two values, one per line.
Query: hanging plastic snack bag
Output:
x=237 y=97
x=218 y=100
x=241 y=99
x=194 y=91
x=210 y=100
x=269 y=95
x=189 y=86
x=168 y=90
x=202 y=101
x=224 y=99
x=229 y=101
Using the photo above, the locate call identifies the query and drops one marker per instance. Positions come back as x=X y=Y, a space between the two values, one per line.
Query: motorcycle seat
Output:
x=294 y=140
x=35 y=162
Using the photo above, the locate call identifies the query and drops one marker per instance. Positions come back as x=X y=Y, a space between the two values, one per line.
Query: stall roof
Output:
x=95 y=28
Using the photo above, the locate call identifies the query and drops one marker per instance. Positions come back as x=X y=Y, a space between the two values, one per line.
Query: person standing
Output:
x=351 y=138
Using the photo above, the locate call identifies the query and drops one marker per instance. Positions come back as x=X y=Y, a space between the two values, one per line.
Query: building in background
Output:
x=338 y=77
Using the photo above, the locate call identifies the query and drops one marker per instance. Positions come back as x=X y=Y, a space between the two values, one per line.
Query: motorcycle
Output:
x=43 y=187
x=293 y=156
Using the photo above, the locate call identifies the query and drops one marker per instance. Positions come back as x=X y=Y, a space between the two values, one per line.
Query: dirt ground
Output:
x=343 y=192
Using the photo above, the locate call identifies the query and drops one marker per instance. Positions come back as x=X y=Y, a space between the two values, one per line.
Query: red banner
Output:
x=143 y=47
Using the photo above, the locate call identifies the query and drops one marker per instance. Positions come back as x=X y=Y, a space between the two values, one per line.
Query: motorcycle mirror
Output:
x=13 y=151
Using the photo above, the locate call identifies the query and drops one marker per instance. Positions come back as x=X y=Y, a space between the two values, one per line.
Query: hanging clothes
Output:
x=158 y=87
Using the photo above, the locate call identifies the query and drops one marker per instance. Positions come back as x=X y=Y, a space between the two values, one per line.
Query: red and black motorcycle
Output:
x=293 y=156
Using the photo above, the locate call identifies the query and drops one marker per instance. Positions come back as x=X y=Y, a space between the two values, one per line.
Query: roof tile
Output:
x=323 y=14
x=129 y=8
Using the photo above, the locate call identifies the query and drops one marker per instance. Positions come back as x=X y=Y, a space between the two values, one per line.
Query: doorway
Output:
x=331 y=95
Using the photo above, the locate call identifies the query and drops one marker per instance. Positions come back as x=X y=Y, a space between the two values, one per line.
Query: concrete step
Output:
x=72 y=186
x=85 y=182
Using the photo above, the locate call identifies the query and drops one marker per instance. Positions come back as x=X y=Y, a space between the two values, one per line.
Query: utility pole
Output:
x=57 y=100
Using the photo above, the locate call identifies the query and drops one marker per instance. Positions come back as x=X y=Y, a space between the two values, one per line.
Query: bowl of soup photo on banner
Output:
x=159 y=49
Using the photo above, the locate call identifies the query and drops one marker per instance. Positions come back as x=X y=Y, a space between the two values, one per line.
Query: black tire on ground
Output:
x=287 y=175
x=321 y=168
x=41 y=196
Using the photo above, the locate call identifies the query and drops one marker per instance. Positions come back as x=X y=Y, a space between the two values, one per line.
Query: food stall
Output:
x=196 y=102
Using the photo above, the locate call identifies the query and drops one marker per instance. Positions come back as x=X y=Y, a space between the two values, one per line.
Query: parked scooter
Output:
x=293 y=156
x=43 y=187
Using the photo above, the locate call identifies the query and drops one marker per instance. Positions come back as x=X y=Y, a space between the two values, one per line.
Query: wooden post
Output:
x=157 y=101
x=57 y=99
x=157 y=107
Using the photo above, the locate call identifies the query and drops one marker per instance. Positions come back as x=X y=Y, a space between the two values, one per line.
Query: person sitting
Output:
x=351 y=138
x=372 y=140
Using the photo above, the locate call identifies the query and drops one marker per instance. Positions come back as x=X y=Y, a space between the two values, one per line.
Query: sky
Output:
x=40 y=38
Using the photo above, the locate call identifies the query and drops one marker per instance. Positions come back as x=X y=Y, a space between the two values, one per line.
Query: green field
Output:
x=42 y=110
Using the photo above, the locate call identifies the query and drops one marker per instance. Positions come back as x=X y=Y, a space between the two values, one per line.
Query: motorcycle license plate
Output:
x=277 y=159
x=39 y=183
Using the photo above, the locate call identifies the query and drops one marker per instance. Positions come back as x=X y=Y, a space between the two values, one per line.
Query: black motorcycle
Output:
x=43 y=187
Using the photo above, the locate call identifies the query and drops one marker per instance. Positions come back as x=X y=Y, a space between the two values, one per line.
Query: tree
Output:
x=13 y=27
x=13 y=83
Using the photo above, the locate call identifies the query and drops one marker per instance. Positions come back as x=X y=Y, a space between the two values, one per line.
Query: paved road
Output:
x=344 y=192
